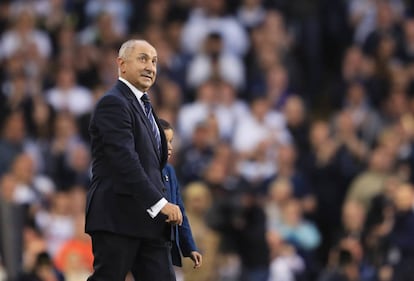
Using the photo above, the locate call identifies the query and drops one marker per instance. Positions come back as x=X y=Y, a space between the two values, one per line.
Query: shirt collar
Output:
x=137 y=93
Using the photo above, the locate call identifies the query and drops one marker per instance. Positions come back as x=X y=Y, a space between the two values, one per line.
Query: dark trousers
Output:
x=115 y=255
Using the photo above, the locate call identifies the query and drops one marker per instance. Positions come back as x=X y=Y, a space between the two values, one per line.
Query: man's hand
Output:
x=173 y=213
x=197 y=258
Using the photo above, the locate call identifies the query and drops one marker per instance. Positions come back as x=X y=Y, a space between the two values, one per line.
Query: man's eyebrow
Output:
x=146 y=55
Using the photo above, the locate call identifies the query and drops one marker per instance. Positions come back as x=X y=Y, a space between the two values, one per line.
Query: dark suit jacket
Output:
x=183 y=238
x=126 y=168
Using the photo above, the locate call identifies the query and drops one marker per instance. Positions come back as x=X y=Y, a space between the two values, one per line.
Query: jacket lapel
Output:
x=131 y=97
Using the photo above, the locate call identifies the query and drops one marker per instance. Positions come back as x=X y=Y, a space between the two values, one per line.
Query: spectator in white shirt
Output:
x=210 y=16
x=68 y=96
x=263 y=125
x=256 y=139
x=215 y=62
x=24 y=38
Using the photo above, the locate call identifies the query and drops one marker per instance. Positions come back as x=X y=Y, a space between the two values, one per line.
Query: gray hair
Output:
x=128 y=46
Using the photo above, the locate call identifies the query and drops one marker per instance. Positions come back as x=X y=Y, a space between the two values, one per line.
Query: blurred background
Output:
x=294 y=132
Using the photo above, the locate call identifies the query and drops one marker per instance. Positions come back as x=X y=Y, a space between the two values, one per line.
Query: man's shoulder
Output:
x=113 y=95
x=117 y=88
x=108 y=100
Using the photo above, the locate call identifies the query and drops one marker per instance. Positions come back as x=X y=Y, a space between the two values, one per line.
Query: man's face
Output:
x=139 y=66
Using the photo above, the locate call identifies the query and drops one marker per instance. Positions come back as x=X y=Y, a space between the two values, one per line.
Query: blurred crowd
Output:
x=294 y=129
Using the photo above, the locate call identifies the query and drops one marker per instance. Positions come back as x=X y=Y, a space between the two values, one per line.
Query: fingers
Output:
x=174 y=215
x=198 y=259
x=178 y=216
x=173 y=222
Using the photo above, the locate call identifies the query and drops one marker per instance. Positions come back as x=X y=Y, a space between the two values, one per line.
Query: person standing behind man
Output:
x=127 y=214
x=183 y=241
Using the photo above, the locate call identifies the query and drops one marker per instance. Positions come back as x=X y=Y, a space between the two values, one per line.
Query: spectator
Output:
x=251 y=13
x=348 y=142
x=211 y=16
x=31 y=188
x=344 y=268
x=25 y=38
x=385 y=27
x=365 y=118
x=297 y=123
x=262 y=125
x=12 y=141
x=16 y=90
x=40 y=118
x=196 y=112
x=56 y=223
x=402 y=232
x=43 y=270
x=67 y=95
x=280 y=192
x=286 y=264
x=256 y=139
x=77 y=167
x=355 y=67
x=195 y=156
x=286 y=168
x=371 y=182
x=293 y=228
x=406 y=53
x=363 y=15
x=244 y=227
x=229 y=110
x=119 y=11
x=197 y=201
x=277 y=86
x=352 y=222
x=328 y=177
x=64 y=140
x=212 y=62
x=75 y=259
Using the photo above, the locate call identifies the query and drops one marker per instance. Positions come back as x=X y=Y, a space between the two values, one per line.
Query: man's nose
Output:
x=150 y=67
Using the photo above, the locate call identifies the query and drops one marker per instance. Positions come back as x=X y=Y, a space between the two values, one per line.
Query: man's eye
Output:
x=142 y=59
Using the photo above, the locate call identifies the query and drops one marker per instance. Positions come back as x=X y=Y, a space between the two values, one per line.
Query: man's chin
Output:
x=144 y=87
x=147 y=86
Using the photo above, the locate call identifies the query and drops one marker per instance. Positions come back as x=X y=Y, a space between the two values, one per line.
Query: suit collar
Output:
x=137 y=93
x=125 y=90
x=129 y=94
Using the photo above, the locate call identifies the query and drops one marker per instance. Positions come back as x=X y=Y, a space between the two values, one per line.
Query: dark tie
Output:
x=148 y=112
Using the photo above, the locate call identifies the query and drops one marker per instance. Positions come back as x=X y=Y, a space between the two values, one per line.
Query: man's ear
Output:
x=121 y=64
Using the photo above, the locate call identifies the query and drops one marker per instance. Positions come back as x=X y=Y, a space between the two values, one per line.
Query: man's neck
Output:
x=129 y=84
x=138 y=93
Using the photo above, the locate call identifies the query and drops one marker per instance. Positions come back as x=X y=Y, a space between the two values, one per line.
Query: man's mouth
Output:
x=147 y=76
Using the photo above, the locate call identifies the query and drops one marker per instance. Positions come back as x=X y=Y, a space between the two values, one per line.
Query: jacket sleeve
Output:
x=186 y=240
